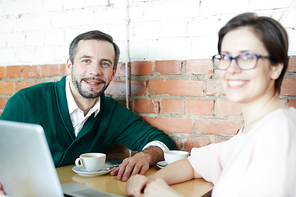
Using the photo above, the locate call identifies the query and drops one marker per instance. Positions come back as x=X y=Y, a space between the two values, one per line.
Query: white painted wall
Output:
x=36 y=32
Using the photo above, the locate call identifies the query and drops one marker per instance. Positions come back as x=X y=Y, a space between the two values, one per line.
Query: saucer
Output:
x=104 y=170
x=161 y=164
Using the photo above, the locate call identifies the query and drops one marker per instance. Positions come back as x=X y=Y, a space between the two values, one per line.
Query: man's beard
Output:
x=88 y=94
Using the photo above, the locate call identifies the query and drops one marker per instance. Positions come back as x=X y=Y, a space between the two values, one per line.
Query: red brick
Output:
x=123 y=102
x=175 y=87
x=200 y=107
x=146 y=106
x=51 y=70
x=120 y=72
x=141 y=68
x=217 y=127
x=292 y=64
x=196 y=142
x=214 y=87
x=137 y=88
x=2 y=72
x=7 y=88
x=14 y=71
x=3 y=102
x=170 y=125
x=226 y=107
x=292 y=103
x=288 y=87
x=31 y=71
x=168 y=67
x=21 y=85
x=116 y=88
x=174 y=106
x=199 y=66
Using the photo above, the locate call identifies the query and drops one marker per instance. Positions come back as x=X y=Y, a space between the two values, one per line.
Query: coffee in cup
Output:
x=174 y=155
x=91 y=161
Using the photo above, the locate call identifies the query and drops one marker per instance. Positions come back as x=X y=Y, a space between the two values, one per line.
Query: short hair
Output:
x=93 y=35
x=272 y=34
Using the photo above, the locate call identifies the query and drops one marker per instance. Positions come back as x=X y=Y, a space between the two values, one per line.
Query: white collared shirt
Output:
x=77 y=116
x=78 y=119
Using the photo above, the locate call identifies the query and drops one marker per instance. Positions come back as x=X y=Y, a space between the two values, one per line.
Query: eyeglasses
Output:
x=244 y=61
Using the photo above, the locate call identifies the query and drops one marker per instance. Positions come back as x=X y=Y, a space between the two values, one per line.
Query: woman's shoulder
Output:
x=278 y=125
x=283 y=115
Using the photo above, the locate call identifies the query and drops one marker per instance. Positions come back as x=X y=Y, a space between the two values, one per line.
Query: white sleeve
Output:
x=159 y=144
x=208 y=161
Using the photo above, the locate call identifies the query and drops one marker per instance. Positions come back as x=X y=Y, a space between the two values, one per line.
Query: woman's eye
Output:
x=247 y=56
x=225 y=57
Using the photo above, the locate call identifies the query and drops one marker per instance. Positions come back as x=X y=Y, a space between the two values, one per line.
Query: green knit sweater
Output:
x=46 y=104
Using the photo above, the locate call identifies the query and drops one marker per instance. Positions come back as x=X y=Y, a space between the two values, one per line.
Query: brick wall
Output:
x=173 y=85
x=182 y=98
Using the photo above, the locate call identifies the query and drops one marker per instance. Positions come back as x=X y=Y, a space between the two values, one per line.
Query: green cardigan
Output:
x=46 y=104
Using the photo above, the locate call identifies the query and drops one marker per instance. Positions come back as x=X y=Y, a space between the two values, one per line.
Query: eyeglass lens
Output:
x=244 y=61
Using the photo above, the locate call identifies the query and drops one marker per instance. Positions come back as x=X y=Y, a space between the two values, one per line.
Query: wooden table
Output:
x=108 y=183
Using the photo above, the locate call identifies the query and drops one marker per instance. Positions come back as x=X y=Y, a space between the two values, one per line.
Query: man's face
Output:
x=92 y=70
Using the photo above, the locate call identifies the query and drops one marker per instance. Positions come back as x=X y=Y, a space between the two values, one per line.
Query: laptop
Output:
x=27 y=168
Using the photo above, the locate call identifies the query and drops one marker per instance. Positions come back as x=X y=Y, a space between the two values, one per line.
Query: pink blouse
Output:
x=261 y=162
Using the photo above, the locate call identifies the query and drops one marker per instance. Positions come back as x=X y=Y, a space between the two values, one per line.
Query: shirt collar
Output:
x=72 y=106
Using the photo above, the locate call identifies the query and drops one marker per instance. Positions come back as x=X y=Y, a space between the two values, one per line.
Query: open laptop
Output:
x=27 y=168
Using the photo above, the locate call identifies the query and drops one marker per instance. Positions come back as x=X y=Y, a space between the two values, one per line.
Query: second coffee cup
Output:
x=175 y=155
x=91 y=161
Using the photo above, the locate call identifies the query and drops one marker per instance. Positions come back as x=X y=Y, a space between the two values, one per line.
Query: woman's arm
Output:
x=176 y=172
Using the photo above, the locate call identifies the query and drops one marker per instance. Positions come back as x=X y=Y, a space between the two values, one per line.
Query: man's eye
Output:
x=86 y=61
x=105 y=64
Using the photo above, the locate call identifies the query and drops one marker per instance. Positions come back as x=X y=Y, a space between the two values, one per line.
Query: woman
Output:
x=261 y=159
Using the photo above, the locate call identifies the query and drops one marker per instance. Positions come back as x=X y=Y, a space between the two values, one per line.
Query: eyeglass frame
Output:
x=235 y=58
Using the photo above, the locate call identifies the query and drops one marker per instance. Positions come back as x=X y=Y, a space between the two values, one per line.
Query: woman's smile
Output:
x=236 y=83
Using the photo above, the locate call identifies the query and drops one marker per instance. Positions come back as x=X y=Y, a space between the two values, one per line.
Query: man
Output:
x=77 y=117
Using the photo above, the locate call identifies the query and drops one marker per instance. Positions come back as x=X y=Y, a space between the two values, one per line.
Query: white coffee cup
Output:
x=174 y=155
x=91 y=161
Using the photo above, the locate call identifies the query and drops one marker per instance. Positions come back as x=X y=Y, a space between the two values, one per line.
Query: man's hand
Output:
x=139 y=163
x=1 y=190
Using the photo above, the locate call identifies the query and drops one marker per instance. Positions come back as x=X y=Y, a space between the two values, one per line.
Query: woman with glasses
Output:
x=261 y=159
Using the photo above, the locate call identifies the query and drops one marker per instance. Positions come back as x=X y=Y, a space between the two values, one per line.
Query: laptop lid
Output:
x=26 y=164
x=27 y=168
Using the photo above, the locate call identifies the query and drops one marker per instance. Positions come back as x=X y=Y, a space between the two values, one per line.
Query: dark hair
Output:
x=93 y=35
x=270 y=32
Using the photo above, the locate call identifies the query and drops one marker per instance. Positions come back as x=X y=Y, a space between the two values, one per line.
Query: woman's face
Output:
x=243 y=86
